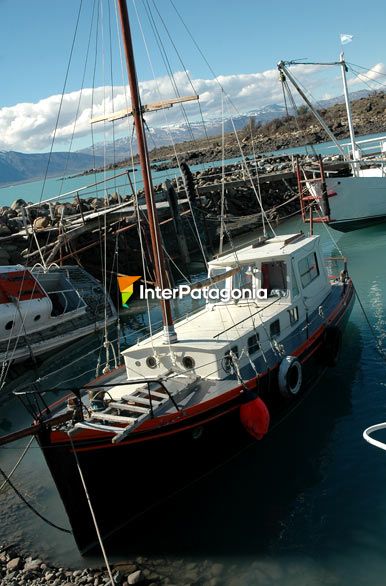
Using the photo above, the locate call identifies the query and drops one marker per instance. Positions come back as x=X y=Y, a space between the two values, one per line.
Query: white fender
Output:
x=290 y=376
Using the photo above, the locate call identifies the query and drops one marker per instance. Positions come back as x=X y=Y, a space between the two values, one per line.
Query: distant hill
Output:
x=15 y=166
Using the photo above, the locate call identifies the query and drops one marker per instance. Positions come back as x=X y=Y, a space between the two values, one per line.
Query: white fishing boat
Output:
x=345 y=203
x=42 y=309
x=187 y=397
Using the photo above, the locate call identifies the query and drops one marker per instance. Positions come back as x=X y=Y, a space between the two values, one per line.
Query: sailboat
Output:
x=186 y=397
x=345 y=203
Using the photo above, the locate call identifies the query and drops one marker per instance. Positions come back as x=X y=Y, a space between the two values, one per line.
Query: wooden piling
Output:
x=177 y=221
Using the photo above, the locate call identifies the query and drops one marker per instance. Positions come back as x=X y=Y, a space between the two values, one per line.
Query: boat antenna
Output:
x=155 y=234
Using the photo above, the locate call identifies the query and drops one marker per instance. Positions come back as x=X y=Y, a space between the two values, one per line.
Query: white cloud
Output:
x=29 y=127
x=378 y=72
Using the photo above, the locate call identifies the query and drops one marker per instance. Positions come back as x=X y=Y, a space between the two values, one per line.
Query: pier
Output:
x=72 y=228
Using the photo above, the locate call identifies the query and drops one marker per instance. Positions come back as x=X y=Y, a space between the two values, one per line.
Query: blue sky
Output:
x=237 y=37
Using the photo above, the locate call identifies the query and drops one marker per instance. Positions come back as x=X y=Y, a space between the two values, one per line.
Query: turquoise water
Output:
x=308 y=504
x=39 y=190
x=36 y=191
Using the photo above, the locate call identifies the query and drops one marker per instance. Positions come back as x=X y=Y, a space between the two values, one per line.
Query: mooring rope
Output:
x=92 y=511
x=31 y=507
x=18 y=462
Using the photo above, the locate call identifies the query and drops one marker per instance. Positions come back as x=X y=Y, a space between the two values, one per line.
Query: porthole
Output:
x=188 y=362
x=8 y=325
x=137 y=363
x=151 y=362
x=37 y=317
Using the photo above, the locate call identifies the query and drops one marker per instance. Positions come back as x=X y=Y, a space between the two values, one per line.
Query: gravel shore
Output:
x=16 y=569
x=265 y=571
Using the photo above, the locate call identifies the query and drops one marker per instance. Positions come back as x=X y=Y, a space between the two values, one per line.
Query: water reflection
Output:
x=253 y=504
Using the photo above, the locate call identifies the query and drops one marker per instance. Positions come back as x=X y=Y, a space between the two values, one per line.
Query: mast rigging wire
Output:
x=167 y=64
x=80 y=95
x=184 y=68
x=360 y=76
x=17 y=463
x=156 y=83
x=222 y=208
x=8 y=480
x=171 y=77
x=62 y=98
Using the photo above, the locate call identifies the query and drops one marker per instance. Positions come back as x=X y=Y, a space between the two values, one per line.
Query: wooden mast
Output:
x=155 y=234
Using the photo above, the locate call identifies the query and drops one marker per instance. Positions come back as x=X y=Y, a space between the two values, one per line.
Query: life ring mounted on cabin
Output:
x=290 y=376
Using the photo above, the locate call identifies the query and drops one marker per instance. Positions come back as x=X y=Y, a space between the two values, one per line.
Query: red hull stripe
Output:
x=135 y=440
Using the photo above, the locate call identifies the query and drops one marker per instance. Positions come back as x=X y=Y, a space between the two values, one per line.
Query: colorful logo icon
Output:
x=126 y=287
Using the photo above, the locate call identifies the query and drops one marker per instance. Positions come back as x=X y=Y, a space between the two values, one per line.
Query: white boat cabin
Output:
x=291 y=270
x=32 y=301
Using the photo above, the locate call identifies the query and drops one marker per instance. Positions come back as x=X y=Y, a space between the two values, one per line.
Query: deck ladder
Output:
x=313 y=195
x=150 y=400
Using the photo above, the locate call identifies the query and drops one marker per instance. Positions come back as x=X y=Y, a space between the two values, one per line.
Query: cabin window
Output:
x=293 y=315
x=308 y=269
x=294 y=282
x=274 y=278
x=253 y=344
x=220 y=285
x=243 y=279
x=8 y=325
x=274 y=328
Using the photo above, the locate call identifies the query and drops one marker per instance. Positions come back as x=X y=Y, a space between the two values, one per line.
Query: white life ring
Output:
x=290 y=376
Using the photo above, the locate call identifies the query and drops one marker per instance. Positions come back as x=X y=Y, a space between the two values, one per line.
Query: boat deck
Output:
x=210 y=326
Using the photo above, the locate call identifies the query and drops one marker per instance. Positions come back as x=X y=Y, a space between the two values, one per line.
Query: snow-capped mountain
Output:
x=161 y=135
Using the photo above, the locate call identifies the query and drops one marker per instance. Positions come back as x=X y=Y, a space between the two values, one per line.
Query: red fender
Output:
x=255 y=418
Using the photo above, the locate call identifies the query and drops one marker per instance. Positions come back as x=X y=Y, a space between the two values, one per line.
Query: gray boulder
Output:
x=18 y=203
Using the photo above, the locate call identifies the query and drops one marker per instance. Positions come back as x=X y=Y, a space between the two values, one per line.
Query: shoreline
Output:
x=160 y=571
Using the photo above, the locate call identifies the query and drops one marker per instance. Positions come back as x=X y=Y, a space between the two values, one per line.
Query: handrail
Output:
x=87 y=387
x=248 y=317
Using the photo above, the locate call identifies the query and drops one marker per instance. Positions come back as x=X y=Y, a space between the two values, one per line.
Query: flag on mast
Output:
x=344 y=38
